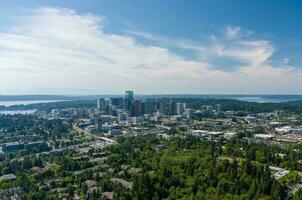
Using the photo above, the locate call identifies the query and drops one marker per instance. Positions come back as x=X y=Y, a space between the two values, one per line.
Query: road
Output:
x=75 y=127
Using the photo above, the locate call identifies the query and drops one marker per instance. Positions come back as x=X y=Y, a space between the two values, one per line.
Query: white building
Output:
x=229 y=135
x=189 y=113
x=264 y=136
x=283 y=130
x=180 y=108
x=122 y=117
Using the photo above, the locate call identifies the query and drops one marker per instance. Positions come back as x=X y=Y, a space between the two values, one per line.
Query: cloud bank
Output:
x=59 y=48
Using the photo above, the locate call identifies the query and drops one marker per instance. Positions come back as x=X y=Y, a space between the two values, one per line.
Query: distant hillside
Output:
x=33 y=97
x=249 y=98
x=51 y=97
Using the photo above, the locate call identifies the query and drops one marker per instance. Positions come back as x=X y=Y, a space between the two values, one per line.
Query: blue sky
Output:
x=177 y=46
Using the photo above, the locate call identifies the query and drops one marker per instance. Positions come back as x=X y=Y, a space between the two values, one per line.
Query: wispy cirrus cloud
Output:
x=229 y=44
x=234 y=32
x=168 y=42
x=233 y=43
x=60 y=48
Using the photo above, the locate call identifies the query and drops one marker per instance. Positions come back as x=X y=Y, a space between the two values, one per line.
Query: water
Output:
x=269 y=99
x=250 y=98
x=23 y=112
x=12 y=103
x=14 y=112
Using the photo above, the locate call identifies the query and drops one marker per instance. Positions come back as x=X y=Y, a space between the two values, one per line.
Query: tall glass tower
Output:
x=129 y=98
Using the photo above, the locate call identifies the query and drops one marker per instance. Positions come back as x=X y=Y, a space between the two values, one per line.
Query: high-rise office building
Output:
x=136 y=108
x=162 y=106
x=189 y=113
x=100 y=104
x=218 y=108
x=118 y=102
x=180 y=108
x=148 y=107
x=129 y=98
x=172 y=108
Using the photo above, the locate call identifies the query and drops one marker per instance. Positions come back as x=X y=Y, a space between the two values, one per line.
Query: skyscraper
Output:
x=129 y=98
x=136 y=108
x=117 y=101
x=148 y=107
x=100 y=104
x=162 y=106
x=180 y=108
x=172 y=108
x=218 y=108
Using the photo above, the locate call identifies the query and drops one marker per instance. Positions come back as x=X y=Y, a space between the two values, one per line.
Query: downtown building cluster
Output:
x=127 y=107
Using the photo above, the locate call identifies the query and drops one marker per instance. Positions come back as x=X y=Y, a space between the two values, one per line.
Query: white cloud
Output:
x=251 y=53
x=286 y=61
x=59 y=48
x=170 y=42
x=234 y=32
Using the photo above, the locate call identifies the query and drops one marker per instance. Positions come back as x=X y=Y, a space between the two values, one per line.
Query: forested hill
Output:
x=53 y=105
x=236 y=105
x=245 y=106
x=33 y=97
x=227 y=104
x=256 y=98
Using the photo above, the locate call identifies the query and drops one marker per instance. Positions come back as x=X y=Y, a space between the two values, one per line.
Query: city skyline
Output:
x=106 y=47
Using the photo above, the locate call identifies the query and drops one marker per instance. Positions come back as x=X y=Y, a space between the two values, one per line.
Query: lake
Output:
x=11 y=103
x=269 y=99
x=14 y=112
x=24 y=112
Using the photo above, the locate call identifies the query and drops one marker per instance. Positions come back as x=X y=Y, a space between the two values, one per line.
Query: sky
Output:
x=151 y=47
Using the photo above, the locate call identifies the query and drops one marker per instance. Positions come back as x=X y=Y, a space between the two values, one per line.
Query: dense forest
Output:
x=170 y=169
x=193 y=169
